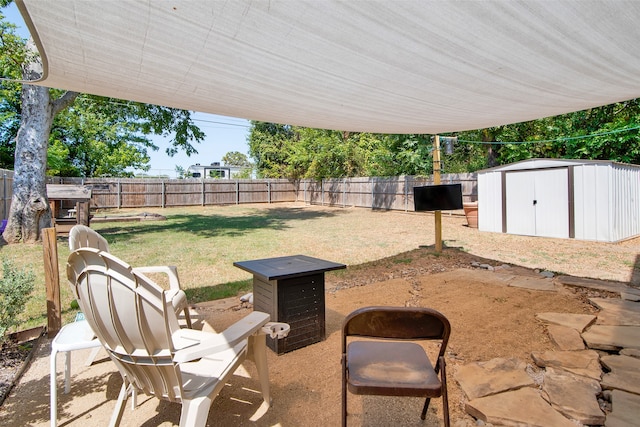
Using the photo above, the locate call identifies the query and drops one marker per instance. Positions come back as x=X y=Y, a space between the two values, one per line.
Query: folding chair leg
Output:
x=445 y=408
x=424 y=408
x=344 y=392
x=445 y=398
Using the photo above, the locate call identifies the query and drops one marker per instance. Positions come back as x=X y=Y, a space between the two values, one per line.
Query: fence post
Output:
x=162 y=202
x=372 y=192
x=52 y=280
x=119 y=192
x=237 y=192
x=269 y=192
x=406 y=194
x=202 y=191
x=4 y=195
x=344 y=192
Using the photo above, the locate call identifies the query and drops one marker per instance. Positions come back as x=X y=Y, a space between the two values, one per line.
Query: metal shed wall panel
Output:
x=626 y=199
x=592 y=186
x=490 y=209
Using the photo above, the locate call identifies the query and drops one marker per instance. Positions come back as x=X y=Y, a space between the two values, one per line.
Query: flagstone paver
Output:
x=624 y=375
x=578 y=322
x=585 y=363
x=633 y=352
x=602 y=285
x=534 y=283
x=612 y=337
x=481 y=379
x=574 y=396
x=520 y=407
x=630 y=294
x=565 y=338
x=572 y=378
x=617 y=311
x=625 y=409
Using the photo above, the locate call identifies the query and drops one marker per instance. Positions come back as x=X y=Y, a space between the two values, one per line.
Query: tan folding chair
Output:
x=82 y=236
x=385 y=363
x=137 y=325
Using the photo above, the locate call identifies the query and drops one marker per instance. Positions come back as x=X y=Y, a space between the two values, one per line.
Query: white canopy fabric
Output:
x=411 y=66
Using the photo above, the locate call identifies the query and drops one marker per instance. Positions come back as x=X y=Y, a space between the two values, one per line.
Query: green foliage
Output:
x=594 y=134
x=292 y=152
x=181 y=172
x=236 y=158
x=16 y=286
x=285 y=151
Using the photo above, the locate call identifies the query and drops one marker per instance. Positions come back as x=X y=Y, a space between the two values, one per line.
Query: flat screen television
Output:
x=444 y=197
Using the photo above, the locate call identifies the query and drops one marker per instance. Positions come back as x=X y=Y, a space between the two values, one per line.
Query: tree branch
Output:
x=63 y=102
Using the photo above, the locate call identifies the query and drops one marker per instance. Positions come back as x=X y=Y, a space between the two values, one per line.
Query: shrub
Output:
x=16 y=286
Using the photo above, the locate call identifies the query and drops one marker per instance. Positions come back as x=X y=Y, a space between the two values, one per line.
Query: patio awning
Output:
x=409 y=66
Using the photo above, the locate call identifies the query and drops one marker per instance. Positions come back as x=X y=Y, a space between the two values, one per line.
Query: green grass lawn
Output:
x=203 y=242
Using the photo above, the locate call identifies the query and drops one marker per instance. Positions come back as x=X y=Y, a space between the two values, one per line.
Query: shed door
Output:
x=537 y=202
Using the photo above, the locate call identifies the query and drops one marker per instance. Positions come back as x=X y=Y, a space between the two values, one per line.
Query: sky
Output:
x=223 y=134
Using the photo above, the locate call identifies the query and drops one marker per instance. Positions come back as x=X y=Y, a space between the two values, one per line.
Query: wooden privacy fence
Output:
x=7 y=192
x=394 y=193
x=144 y=192
x=391 y=193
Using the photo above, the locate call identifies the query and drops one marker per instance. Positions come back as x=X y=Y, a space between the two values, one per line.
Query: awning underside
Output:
x=378 y=66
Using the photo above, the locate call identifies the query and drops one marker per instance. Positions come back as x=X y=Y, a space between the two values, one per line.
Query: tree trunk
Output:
x=30 y=210
x=29 y=205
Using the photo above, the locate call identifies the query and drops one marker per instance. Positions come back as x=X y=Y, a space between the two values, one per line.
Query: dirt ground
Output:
x=489 y=319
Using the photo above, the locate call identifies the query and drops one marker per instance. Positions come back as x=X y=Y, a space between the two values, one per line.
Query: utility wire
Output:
x=567 y=138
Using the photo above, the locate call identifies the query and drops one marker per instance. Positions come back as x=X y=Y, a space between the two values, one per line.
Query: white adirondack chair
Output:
x=137 y=325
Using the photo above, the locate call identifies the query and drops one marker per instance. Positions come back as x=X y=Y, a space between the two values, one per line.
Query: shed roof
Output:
x=552 y=163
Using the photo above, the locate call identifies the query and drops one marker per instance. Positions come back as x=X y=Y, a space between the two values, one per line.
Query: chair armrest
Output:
x=197 y=344
x=169 y=270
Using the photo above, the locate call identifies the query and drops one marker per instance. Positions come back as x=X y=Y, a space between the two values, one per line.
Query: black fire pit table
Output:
x=291 y=290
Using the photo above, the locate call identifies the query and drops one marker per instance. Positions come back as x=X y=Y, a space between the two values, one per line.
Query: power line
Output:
x=217 y=122
x=566 y=138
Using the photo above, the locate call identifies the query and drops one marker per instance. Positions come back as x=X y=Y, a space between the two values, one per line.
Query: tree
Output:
x=95 y=136
x=236 y=158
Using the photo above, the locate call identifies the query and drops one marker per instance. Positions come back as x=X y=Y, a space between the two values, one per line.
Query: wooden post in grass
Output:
x=436 y=181
x=52 y=280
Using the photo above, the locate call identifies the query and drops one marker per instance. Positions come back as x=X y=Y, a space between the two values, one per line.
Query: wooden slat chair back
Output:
x=390 y=365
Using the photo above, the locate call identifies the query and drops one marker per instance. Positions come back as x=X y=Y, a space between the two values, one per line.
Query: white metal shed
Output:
x=581 y=199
